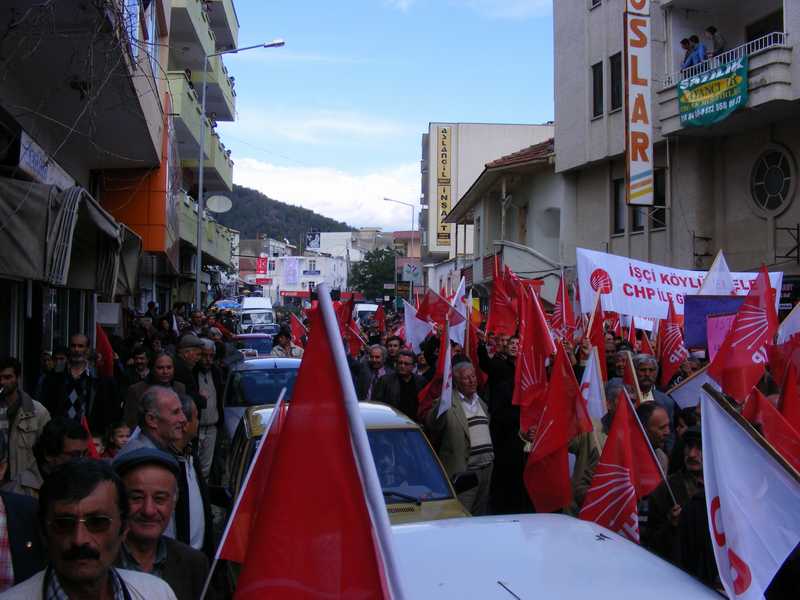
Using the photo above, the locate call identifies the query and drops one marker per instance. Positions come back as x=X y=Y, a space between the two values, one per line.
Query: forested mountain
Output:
x=255 y=213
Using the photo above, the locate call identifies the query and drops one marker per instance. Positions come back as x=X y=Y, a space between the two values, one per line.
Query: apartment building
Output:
x=729 y=185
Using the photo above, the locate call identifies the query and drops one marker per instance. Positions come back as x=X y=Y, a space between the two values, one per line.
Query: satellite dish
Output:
x=219 y=204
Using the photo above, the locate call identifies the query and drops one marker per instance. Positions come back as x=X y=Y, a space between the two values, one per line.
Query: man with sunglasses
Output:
x=83 y=512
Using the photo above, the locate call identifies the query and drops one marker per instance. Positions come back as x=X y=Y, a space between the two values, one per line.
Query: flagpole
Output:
x=245 y=481
x=652 y=451
x=358 y=435
x=594 y=357
x=721 y=400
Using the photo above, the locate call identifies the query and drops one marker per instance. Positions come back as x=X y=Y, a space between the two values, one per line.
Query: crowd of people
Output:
x=126 y=512
x=697 y=51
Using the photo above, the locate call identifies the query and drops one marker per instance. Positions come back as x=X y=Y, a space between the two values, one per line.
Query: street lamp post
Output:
x=201 y=164
x=413 y=210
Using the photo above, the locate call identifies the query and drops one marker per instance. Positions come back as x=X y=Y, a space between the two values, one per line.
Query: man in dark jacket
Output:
x=401 y=388
x=367 y=372
x=190 y=348
x=151 y=479
x=77 y=393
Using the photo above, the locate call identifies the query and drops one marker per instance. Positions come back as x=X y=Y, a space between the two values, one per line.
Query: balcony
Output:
x=770 y=81
x=224 y=23
x=217 y=240
x=218 y=169
x=191 y=37
x=220 y=96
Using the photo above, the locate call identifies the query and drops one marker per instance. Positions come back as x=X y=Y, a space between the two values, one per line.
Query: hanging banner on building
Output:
x=443 y=184
x=711 y=97
x=641 y=289
x=638 y=102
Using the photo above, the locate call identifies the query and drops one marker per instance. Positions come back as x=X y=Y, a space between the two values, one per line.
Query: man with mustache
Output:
x=646 y=367
x=151 y=480
x=83 y=512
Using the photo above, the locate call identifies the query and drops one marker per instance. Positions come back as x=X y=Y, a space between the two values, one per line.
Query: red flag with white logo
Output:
x=741 y=360
x=437 y=309
x=502 y=312
x=777 y=430
x=626 y=472
x=298 y=330
x=672 y=352
x=561 y=416
x=535 y=347
x=752 y=501
x=563 y=319
x=597 y=335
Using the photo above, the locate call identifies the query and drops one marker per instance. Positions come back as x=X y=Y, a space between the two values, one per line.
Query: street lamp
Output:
x=411 y=246
x=277 y=43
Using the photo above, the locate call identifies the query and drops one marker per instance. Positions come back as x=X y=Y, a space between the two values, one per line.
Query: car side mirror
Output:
x=463 y=482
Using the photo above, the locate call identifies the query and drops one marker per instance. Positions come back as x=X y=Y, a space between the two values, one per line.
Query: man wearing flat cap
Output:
x=151 y=480
x=283 y=347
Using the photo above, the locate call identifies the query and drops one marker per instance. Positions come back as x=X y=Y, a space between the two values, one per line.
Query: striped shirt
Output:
x=481 y=452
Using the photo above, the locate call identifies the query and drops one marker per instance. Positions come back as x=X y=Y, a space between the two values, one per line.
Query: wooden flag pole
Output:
x=727 y=405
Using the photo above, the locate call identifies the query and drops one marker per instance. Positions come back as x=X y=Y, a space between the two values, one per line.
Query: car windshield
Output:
x=262 y=345
x=252 y=388
x=257 y=317
x=406 y=466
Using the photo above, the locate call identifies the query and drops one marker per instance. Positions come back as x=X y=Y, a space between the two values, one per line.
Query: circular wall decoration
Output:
x=773 y=180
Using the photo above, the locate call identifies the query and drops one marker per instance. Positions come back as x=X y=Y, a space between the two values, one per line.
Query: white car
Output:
x=543 y=557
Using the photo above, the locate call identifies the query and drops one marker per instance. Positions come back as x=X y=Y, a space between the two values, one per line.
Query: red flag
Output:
x=333 y=550
x=236 y=537
x=626 y=472
x=563 y=320
x=298 y=330
x=433 y=390
x=632 y=334
x=560 y=417
x=646 y=347
x=502 y=314
x=615 y=324
x=91 y=449
x=629 y=378
x=535 y=347
x=105 y=350
x=672 y=352
x=435 y=308
x=777 y=430
x=782 y=355
x=380 y=319
x=790 y=400
x=597 y=336
x=741 y=360
x=353 y=340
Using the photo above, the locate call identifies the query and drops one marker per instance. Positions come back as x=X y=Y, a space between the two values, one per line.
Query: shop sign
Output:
x=713 y=96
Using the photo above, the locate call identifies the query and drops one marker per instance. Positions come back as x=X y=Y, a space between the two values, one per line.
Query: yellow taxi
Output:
x=415 y=486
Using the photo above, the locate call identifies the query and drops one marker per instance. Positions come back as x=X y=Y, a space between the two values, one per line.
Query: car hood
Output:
x=533 y=556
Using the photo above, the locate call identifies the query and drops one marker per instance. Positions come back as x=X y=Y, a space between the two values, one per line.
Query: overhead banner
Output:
x=639 y=189
x=711 y=97
x=641 y=289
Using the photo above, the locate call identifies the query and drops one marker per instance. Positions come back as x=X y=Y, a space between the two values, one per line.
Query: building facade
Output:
x=453 y=155
x=731 y=185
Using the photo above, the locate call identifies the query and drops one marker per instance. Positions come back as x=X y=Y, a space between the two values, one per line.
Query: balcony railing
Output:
x=777 y=39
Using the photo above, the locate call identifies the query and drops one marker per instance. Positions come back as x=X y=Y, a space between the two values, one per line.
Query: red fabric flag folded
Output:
x=502 y=312
x=741 y=360
x=236 y=537
x=326 y=549
x=104 y=349
x=626 y=472
x=632 y=334
x=560 y=417
x=790 y=400
x=597 y=335
x=380 y=319
x=780 y=356
x=435 y=308
x=563 y=319
x=298 y=330
x=91 y=449
x=672 y=352
x=777 y=430
x=535 y=347
x=646 y=347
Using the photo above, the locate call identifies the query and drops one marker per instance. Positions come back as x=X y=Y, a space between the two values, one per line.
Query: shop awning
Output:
x=60 y=238
x=129 y=255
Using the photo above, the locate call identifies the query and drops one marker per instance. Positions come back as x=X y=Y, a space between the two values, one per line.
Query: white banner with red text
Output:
x=641 y=289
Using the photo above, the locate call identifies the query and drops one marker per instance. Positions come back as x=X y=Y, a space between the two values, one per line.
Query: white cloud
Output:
x=402 y=5
x=356 y=199
x=320 y=126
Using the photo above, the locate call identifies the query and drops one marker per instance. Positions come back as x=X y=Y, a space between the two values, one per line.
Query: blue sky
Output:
x=333 y=120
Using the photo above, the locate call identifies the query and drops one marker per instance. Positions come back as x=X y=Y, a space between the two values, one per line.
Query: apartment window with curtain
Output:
x=615 y=68
x=597 y=90
x=619 y=208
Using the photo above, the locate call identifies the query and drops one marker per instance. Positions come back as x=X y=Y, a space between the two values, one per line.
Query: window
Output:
x=618 y=217
x=658 y=214
x=773 y=180
x=271 y=265
x=638 y=215
x=312 y=265
x=615 y=68
x=595 y=3
x=597 y=89
x=152 y=39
